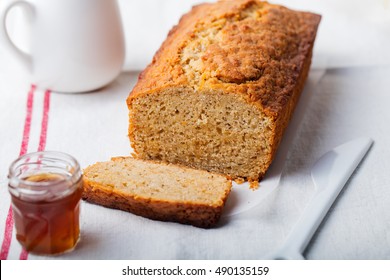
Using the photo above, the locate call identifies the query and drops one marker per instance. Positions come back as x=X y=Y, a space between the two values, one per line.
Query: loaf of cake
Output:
x=222 y=88
x=158 y=191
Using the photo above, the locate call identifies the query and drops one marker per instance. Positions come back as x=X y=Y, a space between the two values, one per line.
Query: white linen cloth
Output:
x=351 y=100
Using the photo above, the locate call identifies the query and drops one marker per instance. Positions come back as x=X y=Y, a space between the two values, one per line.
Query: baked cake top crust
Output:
x=245 y=47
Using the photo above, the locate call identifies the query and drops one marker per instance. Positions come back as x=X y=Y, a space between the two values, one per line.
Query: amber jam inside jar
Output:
x=46 y=189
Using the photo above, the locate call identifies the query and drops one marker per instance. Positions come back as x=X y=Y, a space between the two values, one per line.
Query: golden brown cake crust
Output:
x=246 y=47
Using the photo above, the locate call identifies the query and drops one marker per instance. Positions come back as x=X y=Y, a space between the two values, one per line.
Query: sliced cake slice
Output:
x=157 y=190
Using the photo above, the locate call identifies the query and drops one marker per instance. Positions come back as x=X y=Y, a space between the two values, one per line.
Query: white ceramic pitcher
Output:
x=76 y=45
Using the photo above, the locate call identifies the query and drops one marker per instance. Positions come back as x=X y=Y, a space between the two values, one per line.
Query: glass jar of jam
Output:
x=46 y=189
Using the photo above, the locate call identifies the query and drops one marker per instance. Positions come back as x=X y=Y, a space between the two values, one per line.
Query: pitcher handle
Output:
x=22 y=56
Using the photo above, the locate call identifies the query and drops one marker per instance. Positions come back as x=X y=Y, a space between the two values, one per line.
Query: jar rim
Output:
x=23 y=160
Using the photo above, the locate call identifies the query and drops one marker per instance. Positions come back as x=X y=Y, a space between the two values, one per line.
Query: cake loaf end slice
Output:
x=158 y=191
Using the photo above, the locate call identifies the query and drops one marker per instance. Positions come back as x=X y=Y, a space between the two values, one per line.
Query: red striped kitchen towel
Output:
x=31 y=97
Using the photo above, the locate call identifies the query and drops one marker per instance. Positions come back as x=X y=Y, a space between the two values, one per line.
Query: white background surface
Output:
x=351 y=100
